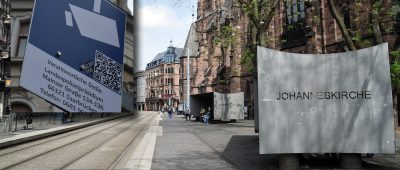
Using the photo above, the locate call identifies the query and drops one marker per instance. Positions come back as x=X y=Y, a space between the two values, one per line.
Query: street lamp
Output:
x=188 y=77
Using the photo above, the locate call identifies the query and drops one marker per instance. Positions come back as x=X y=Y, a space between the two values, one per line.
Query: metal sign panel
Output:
x=331 y=103
x=228 y=106
x=74 y=54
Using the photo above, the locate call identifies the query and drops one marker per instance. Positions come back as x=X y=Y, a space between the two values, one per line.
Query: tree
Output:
x=376 y=11
x=376 y=23
x=342 y=26
x=260 y=14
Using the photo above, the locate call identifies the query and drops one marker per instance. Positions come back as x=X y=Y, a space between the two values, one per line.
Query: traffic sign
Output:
x=74 y=54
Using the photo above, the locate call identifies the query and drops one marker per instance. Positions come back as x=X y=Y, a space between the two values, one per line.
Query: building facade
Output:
x=25 y=101
x=162 y=79
x=139 y=83
x=5 y=62
x=129 y=63
x=224 y=32
x=216 y=64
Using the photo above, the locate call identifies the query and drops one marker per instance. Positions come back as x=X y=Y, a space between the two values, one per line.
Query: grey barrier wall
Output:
x=224 y=106
x=198 y=101
x=330 y=103
x=228 y=106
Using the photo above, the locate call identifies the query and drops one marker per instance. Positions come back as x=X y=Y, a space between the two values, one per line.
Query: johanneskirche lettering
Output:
x=324 y=95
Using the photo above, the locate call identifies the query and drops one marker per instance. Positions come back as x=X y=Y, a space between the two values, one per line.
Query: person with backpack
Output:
x=170 y=113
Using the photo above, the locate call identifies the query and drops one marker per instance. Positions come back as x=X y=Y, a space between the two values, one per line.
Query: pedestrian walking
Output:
x=170 y=113
x=187 y=114
x=207 y=116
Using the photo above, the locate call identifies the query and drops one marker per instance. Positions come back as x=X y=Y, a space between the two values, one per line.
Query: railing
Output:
x=5 y=123
x=17 y=121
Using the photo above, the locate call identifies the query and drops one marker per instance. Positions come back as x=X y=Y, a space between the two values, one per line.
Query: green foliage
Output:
x=248 y=59
x=365 y=43
x=235 y=72
x=268 y=40
x=260 y=13
x=394 y=10
x=249 y=7
x=316 y=19
x=356 y=36
x=359 y=40
x=395 y=73
x=257 y=8
x=223 y=81
x=395 y=67
x=395 y=54
x=388 y=28
x=370 y=31
x=376 y=10
x=216 y=41
x=228 y=36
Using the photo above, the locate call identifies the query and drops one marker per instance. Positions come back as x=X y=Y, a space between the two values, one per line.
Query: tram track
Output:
x=112 y=160
x=119 y=160
x=98 y=133
x=19 y=147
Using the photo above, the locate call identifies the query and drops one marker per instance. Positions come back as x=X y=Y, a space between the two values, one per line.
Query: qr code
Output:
x=108 y=72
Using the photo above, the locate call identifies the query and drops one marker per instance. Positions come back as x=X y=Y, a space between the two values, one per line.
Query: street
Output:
x=194 y=145
x=150 y=140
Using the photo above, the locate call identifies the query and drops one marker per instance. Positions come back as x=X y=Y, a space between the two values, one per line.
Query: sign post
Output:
x=74 y=55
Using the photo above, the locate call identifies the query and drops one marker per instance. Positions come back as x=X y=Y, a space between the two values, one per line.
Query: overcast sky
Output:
x=130 y=5
x=159 y=22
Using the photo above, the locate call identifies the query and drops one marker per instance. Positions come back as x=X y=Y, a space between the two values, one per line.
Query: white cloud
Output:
x=158 y=23
x=159 y=16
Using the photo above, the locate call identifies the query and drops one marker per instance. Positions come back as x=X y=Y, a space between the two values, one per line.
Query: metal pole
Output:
x=188 y=77
x=188 y=67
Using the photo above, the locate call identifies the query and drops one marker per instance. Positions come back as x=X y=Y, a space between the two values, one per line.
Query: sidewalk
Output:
x=194 y=145
x=230 y=145
x=385 y=159
x=21 y=136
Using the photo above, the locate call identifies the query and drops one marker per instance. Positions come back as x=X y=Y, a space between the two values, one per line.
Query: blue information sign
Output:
x=75 y=50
